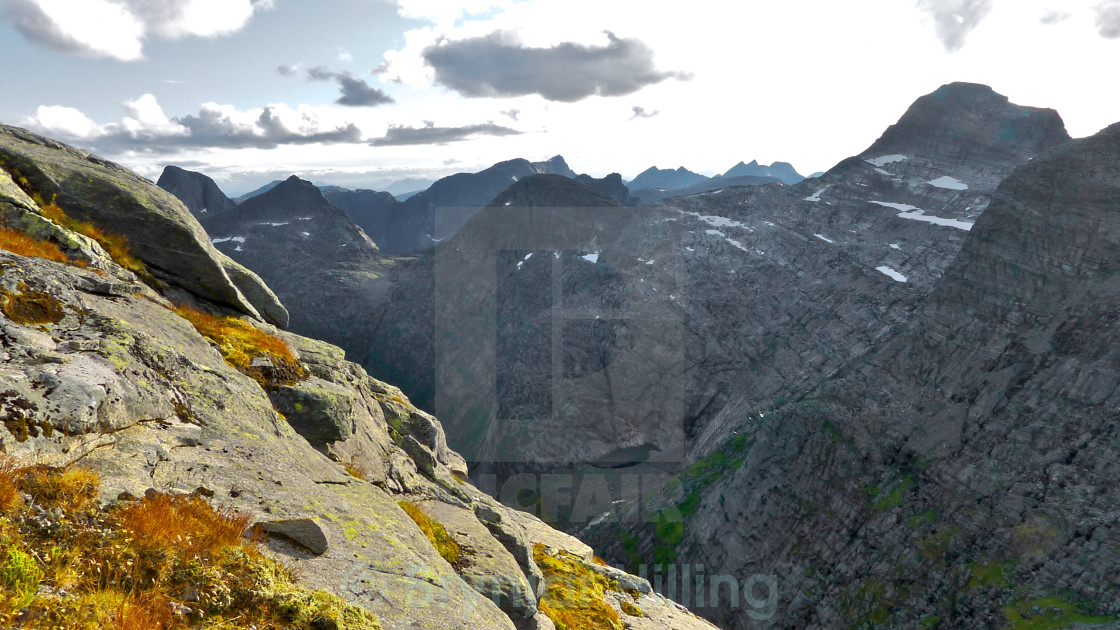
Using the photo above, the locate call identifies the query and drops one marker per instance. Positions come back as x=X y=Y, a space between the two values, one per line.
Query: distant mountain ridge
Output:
x=665 y=178
x=782 y=171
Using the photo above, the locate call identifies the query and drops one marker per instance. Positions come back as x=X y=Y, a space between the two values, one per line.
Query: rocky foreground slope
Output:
x=125 y=372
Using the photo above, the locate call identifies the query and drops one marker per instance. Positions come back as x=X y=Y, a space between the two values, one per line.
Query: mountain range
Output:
x=882 y=397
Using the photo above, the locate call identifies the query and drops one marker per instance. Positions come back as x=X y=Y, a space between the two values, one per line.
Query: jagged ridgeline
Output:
x=153 y=410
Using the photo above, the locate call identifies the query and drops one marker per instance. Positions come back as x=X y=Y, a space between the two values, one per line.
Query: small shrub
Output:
x=436 y=533
x=240 y=343
x=356 y=470
x=19 y=243
x=574 y=597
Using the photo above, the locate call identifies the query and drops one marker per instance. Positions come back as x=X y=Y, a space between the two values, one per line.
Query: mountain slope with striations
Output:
x=963 y=469
x=168 y=393
x=326 y=270
x=746 y=294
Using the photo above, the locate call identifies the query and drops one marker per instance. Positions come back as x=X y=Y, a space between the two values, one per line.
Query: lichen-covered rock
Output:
x=256 y=291
x=159 y=229
x=486 y=565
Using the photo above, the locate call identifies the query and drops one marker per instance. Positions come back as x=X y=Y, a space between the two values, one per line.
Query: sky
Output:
x=365 y=93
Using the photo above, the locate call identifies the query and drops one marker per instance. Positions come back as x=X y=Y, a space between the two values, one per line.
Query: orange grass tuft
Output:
x=162 y=563
x=240 y=343
x=72 y=490
x=146 y=612
x=184 y=526
x=116 y=245
x=19 y=243
x=9 y=494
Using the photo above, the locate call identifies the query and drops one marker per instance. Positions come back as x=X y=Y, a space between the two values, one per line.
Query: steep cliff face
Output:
x=747 y=295
x=350 y=484
x=963 y=470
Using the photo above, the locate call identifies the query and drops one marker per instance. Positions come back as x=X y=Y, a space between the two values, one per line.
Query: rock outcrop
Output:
x=138 y=218
x=102 y=371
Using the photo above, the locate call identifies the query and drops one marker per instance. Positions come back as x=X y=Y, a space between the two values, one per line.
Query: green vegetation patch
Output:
x=575 y=596
x=166 y=562
x=1052 y=613
x=436 y=533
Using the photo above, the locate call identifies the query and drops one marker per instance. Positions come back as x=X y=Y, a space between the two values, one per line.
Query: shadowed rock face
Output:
x=553 y=191
x=765 y=292
x=969 y=455
x=328 y=271
x=198 y=192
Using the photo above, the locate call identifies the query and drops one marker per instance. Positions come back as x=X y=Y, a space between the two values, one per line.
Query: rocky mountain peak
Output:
x=552 y=191
x=198 y=192
x=555 y=166
x=968 y=121
x=292 y=199
x=668 y=179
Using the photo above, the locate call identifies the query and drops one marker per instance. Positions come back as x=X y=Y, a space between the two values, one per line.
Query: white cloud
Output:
x=145 y=119
x=63 y=122
x=446 y=12
x=146 y=128
x=117 y=29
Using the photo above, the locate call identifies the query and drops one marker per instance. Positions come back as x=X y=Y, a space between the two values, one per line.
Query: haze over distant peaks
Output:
x=782 y=171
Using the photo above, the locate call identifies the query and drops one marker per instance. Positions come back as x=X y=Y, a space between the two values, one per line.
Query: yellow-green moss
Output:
x=162 y=562
x=436 y=533
x=575 y=596
x=19 y=577
x=240 y=343
x=631 y=609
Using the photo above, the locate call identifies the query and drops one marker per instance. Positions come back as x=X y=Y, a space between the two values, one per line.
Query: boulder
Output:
x=160 y=231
